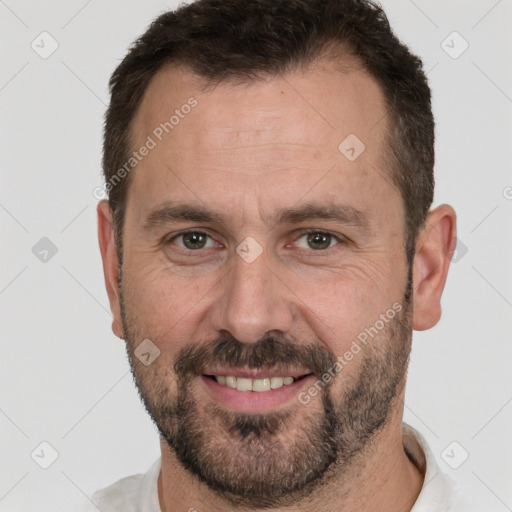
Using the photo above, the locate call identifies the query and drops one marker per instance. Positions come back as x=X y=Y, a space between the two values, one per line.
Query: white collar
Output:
x=438 y=491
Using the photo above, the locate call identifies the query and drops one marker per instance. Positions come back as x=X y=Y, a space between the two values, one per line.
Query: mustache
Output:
x=268 y=352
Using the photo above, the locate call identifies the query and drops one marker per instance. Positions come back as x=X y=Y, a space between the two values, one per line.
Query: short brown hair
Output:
x=246 y=40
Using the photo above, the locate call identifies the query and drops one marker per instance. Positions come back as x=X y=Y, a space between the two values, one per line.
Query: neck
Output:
x=383 y=479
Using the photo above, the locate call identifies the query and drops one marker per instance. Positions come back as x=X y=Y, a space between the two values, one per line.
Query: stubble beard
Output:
x=273 y=459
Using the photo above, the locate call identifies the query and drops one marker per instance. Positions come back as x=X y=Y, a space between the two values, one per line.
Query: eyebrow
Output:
x=169 y=212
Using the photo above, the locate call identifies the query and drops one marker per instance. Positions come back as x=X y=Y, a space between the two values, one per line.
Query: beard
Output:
x=276 y=458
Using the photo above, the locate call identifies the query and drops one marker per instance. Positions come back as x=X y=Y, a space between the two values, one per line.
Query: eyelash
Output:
x=339 y=239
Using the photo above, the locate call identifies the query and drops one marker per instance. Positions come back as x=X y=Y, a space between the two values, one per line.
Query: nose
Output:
x=254 y=300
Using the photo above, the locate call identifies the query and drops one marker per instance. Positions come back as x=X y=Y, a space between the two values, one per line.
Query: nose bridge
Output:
x=253 y=300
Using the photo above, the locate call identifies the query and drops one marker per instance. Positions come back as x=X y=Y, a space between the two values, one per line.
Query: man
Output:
x=268 y=249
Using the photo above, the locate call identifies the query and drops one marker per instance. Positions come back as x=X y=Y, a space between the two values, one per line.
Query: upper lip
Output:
x=256 y=373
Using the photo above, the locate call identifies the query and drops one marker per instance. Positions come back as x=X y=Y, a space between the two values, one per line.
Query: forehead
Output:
x=280 y=132
x=328 y=101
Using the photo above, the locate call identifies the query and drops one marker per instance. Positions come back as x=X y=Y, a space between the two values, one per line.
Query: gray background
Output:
x=64 y=377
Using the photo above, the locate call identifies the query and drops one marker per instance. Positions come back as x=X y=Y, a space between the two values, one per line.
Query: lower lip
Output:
x=254 y=401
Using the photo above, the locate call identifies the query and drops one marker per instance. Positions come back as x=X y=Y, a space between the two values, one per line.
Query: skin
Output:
x=246 y=151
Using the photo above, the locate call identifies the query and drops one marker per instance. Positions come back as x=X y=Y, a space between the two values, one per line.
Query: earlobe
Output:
x=434 y=249
x=108 y=251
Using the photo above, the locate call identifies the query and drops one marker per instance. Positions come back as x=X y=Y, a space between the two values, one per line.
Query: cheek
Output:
x=340 y=309
x=164 y=306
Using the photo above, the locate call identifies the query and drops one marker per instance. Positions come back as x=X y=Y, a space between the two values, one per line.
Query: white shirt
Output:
x=139 y=493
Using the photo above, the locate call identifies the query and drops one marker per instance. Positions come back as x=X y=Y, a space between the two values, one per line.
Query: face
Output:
x=254 y=248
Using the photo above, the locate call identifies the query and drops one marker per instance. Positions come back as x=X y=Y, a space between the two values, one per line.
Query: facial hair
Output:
x=272 y=459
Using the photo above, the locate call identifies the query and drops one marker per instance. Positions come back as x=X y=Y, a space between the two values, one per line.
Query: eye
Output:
x=310 y=239
x=193 y=240
x=318 y=240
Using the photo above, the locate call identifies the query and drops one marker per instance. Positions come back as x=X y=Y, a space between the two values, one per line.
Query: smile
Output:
x=246 y=384
x=243 y=393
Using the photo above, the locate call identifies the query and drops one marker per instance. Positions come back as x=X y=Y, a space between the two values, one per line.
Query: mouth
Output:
x=254 y=390
x=255 y=384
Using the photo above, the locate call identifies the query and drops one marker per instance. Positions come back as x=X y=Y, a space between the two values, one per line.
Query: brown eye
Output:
x=317 y=240
x=192 y=240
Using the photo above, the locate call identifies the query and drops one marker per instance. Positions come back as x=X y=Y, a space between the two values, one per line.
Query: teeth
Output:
x=230 y=382
x=244 y=384
x=276 y=382
x=260 y=384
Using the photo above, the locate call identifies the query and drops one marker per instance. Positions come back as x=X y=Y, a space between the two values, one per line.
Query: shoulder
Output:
x=121 y=495
x=439 y=492
x=131 y=493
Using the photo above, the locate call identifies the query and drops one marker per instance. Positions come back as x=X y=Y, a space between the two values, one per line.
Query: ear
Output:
x=110 y=264
x=434 y=250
